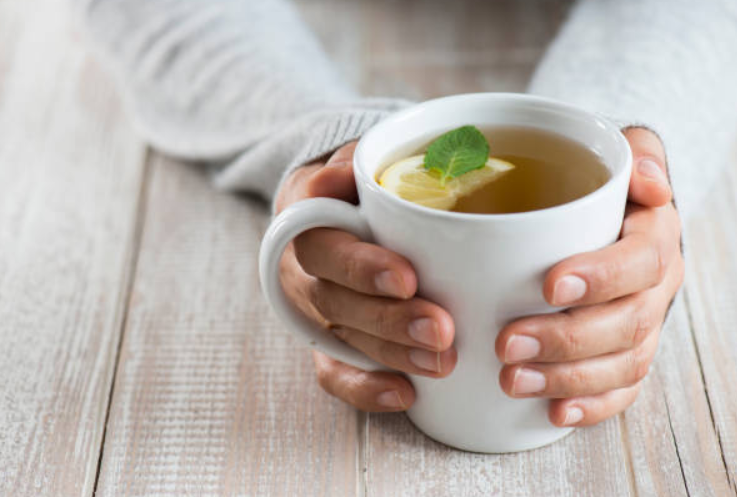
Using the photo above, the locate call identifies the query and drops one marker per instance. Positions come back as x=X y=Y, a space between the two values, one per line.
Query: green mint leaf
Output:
x=457 y=152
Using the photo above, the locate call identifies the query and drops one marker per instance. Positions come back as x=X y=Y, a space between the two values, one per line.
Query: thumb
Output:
x=649 y=184
x=335 y=179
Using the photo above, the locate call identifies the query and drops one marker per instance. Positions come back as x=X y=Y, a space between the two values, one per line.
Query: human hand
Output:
x=591 y=358
x=365 y=294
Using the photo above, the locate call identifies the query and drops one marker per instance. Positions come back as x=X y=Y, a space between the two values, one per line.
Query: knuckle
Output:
x=571 y=340
x=352 y=263
x=324 y=377
x=607 y=274
x=386 y=352
x=641 y=372
x=638 y=365
x=660 y=262
x=630 y=221
x=382 y=321
x=351 y=388
x=577 y=379
x=319 y=298
x=302 y=244
x=356 y=387
x=641 y=323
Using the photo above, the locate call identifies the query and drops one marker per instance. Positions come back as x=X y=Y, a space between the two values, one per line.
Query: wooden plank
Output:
x=587 y=462
x=212 y=397
x=424 y=49
x=70 y=175
x=668 y=431
x=711 y=288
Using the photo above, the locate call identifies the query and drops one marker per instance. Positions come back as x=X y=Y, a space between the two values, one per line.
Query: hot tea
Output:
x=528 y=169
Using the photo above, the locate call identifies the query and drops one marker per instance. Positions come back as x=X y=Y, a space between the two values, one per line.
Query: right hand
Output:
x=364 y=294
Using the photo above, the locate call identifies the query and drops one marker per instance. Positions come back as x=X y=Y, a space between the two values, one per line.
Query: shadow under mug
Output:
x=485 y=269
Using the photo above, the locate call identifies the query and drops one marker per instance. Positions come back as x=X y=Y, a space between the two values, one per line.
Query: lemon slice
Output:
x=408 y=179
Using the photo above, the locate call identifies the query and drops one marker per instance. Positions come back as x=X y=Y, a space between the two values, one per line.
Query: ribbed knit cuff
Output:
x=331 y=132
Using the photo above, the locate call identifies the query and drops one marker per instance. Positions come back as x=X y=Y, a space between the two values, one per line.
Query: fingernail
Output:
x=425 y=331
x=389 y=283
x=423 y=359
x=568 y=289
x=528 y=381
x=573 y=416
x=390 y=399
x=650 y=170
x=520 y=348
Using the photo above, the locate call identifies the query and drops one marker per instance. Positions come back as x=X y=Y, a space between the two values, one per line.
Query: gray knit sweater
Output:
x=244 y=85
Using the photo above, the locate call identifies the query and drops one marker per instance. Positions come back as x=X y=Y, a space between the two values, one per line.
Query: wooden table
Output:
x=137 y=356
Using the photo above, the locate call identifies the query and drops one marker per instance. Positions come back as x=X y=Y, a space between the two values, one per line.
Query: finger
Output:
x=333 y=179
x=587 y=411
x=415 y=322
x=639 y=260
x=582 y=332
x=373 y=392
x=649 y=184
x=589 y=331
x=294 y=188
x=400 y=357
x=344 y=259
x=585 y=377
x=336 y=179
x=297 y=286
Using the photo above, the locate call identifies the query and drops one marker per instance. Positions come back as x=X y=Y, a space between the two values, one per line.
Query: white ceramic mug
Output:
x=485 y=269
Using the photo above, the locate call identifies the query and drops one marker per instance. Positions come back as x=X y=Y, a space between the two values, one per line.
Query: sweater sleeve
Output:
x=666 y=65
x=241 y=85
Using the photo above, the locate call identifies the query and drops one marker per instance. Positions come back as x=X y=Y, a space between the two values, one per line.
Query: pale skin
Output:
x=590 y=360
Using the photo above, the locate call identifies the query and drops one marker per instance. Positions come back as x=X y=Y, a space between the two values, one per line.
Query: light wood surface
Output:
x=70 y=179
x=211 y=398
x=711 y=291
x=138 y=357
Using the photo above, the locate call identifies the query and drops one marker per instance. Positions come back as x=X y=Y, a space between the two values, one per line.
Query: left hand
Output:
x=591 y=358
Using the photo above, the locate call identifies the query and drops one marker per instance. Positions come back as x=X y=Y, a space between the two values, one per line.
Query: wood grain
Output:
x=212 y=397
x=668 y=431
x=710 y=290
x=70 y=174
x=587 y=462
x=428 y=49
x=420 y=50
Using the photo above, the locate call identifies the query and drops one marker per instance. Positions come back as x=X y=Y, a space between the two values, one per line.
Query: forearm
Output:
x=667 y=65
x=244 y=85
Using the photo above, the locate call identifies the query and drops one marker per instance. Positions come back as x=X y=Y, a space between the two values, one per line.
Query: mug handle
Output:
x=294 y=220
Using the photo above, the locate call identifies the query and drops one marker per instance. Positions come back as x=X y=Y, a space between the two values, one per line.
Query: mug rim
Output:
x=604 y=123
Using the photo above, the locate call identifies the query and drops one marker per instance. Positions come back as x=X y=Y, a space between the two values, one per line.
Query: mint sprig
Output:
x=457 y=152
